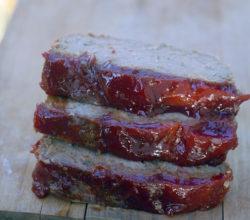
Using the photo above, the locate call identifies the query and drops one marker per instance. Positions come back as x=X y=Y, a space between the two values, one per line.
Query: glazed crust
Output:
x=166 y=190
x=100 y=76
x=184 y=142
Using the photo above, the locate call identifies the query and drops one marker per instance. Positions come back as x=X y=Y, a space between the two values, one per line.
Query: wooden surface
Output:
x=218 y=27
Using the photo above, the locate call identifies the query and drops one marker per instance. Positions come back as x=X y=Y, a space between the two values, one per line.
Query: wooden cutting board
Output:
x=218 y=27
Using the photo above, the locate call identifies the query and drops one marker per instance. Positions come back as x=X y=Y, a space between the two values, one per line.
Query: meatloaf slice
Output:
x=171 y=137
x=139 y=78
x=79 y=174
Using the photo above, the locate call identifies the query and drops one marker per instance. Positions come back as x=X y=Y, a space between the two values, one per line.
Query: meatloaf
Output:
x=171 y=137
x=80 y=174
x=139 y=78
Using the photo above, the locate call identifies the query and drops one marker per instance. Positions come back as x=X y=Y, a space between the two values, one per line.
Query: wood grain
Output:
x=218 y=27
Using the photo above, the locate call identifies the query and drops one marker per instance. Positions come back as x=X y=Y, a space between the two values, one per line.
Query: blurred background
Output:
x=6 y=9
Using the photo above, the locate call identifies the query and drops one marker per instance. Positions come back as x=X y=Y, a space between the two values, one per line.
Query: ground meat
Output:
x=170 y=137
x=79 y=174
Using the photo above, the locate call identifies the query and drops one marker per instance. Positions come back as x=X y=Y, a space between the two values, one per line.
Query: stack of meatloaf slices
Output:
x=134 y=125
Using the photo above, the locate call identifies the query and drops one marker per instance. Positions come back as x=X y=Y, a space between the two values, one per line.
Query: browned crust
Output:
x=156 y=193
x=182 y=143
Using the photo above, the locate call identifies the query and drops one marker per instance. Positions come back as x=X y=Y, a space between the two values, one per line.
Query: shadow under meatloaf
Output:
x=139 y=78
x=79 y=174
x=169 y=137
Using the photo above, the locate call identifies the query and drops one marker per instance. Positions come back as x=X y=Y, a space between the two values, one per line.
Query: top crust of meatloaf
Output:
x=58 y=152
x=163 y=58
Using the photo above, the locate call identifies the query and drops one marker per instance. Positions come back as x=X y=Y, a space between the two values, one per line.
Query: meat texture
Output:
x=169 y=137
x=139 y=78
x=79 y=174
